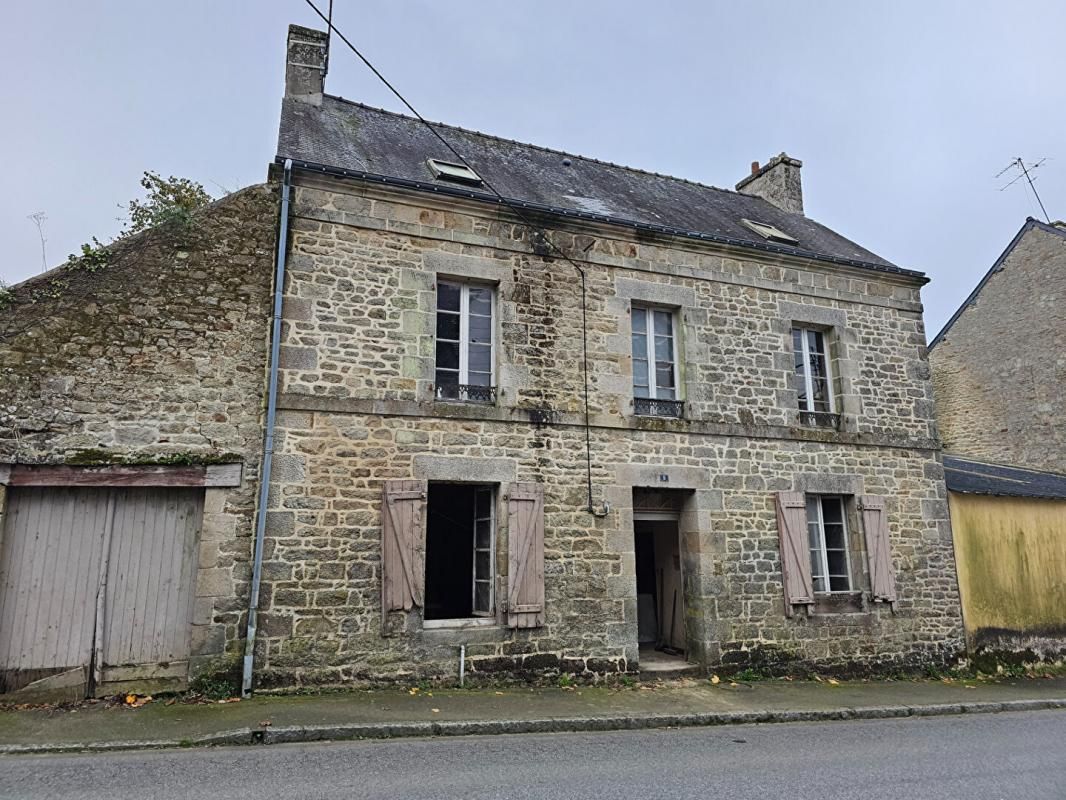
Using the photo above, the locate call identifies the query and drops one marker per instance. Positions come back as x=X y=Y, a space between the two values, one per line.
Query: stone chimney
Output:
x=776 y=182
x=305 y=64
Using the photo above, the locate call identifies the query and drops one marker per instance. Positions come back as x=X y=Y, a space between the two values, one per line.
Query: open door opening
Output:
x=660 y=593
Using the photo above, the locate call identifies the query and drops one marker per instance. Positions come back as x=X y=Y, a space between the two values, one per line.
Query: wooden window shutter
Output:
x=525 y=555
x=795 y=553
x=878 y=549
x=403 y=542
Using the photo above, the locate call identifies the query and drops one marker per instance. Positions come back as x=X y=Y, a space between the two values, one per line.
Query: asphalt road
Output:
x=992 y=756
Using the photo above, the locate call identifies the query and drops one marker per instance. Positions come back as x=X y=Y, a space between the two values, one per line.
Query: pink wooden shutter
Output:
x=403 y=526
x=878 y=549
x=795 y=554
x=525 y=556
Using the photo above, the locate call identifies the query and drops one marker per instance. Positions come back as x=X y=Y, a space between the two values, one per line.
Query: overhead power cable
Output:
x=510 y=204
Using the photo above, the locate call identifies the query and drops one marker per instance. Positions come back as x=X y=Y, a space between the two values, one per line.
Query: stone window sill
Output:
x=838 y=603
x=458 y=624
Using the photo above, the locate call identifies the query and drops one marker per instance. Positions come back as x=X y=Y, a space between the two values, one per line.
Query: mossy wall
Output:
x=1011 y=554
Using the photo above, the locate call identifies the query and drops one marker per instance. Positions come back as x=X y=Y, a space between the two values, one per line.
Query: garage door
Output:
x=96 y=586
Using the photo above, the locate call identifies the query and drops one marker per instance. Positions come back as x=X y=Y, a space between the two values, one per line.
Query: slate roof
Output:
x=967 y=476
x=359 y=141
x=1030 y=224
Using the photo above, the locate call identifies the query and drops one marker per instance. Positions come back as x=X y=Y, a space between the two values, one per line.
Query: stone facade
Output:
x=158 y=355
x=357 y=408
x=999 y=368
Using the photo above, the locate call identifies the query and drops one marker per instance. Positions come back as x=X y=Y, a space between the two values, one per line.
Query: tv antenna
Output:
x=38 y=218
x=1024 y=171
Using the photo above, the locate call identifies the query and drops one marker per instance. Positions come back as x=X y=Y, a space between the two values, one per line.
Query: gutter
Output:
x=569 y=213
x=268 y=439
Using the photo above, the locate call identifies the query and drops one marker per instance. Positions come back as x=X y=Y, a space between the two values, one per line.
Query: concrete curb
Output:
x=399 y=730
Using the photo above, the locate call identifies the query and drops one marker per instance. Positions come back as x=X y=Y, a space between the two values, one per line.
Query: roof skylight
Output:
x=446 y=170
x=769 y=232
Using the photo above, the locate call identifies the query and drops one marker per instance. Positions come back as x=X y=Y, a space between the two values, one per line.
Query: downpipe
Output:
x=268 y=438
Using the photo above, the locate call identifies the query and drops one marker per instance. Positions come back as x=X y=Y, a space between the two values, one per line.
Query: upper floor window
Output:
x=465 y=358
x=655 y=362
x=814 y=382
x=827 y=532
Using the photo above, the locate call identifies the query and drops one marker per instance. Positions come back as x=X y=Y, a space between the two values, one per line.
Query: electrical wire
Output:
x=510 y=204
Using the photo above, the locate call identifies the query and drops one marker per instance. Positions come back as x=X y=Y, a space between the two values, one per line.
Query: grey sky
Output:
x=902 y=112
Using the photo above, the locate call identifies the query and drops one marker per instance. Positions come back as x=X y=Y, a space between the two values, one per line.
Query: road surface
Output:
x=991 y=756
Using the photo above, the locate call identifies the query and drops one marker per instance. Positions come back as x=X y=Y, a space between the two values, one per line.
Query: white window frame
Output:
x=491 y=550
x=649 y=346
x=823 y=553
x=808 y=373
x=464 y=330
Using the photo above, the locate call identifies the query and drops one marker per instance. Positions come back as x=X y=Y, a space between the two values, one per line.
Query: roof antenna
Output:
x=1024 y=170
x=329 y=38
x=38 y=218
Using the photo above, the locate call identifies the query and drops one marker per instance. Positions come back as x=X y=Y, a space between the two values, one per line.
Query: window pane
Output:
x=479 y=379
x=664 y=348
x=640 y=345
x=481 y=300
x=480 y=358
x=664 y=376
x=819 y=585
x=482 y=534
x=664 y=324
x=832 y=510
x=640 y=372
x=834 y=537
x=820 y=401
x=448 y=296
x=447 y=326
x=812 y=509
x=838 y=563
x=482 y=564
x=483 y=505
x=480 y=330
x=447 y=355
x=481 y=596
x=448 y=385
x=815 y=341
x=797 y=343
x=839 y=584
x=814 y=536
x=640 y=319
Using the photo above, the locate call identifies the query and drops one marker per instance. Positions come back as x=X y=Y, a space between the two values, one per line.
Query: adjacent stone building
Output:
x=568 y=415
x=131 y=388
x=999 y=364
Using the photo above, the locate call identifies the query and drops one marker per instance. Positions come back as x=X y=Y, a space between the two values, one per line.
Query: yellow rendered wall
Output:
x=1011 y=555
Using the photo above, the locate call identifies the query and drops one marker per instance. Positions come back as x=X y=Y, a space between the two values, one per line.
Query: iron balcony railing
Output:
x=819 y=419
x=651 y=407
x=466 y=393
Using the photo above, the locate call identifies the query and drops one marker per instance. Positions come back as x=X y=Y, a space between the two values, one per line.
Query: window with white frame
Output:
x=827 y=533
x=814 y=382
x=460 y=551
x=655 y=362
x=465 y=359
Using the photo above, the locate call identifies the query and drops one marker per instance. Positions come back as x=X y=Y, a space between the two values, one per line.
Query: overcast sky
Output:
x=902 y=112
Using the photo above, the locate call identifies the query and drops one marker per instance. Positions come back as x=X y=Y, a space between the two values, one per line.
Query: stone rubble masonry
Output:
x=163 y=351
x=358 y=409
x=999 y=374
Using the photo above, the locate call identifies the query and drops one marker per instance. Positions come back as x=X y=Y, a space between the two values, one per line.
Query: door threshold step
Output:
x=662 y=672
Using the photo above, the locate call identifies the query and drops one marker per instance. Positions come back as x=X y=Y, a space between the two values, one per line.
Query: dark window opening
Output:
x=460 y=551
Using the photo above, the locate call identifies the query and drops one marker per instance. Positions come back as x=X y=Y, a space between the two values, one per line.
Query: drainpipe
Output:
x=268 y=439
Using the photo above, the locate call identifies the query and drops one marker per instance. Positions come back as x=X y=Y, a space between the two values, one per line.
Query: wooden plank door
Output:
x=50 y=558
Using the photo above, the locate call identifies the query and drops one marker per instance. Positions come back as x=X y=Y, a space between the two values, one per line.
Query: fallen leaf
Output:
x=131 y=699
x=733 y=683
x=171 y=702
x=715 y=680
x=435 y=710
x=501 y=693
x=266 y=723
x=833 y=682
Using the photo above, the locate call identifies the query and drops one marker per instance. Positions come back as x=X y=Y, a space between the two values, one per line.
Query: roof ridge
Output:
x=544 y=149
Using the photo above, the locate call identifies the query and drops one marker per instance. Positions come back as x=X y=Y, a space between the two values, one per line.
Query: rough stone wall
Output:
x=161 y=352
x=999 y=375
x=358 y=408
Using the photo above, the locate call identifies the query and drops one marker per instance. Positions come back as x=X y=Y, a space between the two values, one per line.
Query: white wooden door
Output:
x=95 y=584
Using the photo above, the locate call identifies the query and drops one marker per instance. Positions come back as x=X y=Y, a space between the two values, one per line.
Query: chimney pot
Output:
x=778 y=183
x=305 y=64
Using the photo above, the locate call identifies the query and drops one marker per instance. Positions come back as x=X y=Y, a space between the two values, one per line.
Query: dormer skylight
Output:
x=769 y=232
x=449 y=171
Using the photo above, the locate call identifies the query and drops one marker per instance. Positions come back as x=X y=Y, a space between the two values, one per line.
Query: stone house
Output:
x=996 y=400
x=559 y=414
x=131 y=388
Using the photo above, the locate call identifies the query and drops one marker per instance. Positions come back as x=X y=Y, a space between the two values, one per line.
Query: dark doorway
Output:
x=660 y=592
x=460 y=551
